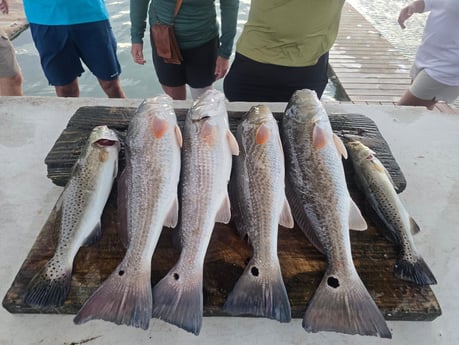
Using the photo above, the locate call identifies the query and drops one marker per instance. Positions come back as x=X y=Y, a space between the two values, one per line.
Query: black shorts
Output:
x=252 y=81
x=197 y=68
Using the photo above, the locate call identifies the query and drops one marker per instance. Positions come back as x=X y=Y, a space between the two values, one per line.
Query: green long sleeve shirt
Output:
x=195 y=24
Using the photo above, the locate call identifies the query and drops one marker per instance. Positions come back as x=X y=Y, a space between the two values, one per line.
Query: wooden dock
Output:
x=369 y=69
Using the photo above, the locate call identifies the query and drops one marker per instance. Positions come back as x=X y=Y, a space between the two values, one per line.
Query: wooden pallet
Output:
x=227 y=254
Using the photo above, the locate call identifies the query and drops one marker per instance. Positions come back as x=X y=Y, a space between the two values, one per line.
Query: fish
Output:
x=208 y=147
x=81 y=205
x=259 y=206
x=375 y=182
x=323 y=209
x=148 y=198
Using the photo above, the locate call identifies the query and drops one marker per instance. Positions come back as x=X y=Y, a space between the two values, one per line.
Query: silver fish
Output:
x=317 y=191
x=260 y=205
x=82 y=202
x=375 y=181
x=208 y=146
x=148 y=198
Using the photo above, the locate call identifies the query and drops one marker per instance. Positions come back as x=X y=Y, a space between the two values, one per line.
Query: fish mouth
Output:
x=105 y=142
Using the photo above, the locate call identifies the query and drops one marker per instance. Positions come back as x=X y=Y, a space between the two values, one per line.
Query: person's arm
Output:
x=4 y=6
x=138 y=15
x=406 y=12
x=229 y=10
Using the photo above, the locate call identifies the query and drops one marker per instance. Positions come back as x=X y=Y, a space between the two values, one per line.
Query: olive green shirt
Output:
x=291 y=33
x=195 y=24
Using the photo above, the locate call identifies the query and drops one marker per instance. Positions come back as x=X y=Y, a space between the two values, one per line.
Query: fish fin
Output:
x=208 y=134
x=345 y=306
x=159 y=127
x=260 y=291
x=172 y=216
x=414 y=227
x=122 y=209
x=224 y=213
x=319 y=137
x=417 y=272
x=178 y=302
x=50 y=287
x=286 y=218
x=342 y=151
x=382 y=169
x=121 y=299
x=178 y=135
x=356 y=220
x=234 y=146
x=301 y=219
x=263 y=134
x=94 y=236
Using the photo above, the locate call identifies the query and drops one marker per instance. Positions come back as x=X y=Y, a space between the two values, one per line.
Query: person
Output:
x=67 y=33
x=206 y=53
x=283 y=48
x=10 y=72
x=435 y=71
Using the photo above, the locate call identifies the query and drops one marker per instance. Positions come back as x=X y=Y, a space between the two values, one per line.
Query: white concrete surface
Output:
x=425 y=144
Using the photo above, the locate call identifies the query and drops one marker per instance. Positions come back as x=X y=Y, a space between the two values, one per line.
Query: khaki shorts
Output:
x=8 y=65
x=427 y=88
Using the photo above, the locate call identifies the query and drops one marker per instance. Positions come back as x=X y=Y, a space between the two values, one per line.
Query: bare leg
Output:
x=409 y=99
x=69 y=90
x=11 y=86
x=196 y=92
x=176 y=92
x=112 y=88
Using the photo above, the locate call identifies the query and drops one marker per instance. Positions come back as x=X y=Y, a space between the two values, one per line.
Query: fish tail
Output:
x=260 y=292
x=50 y=287
x=417 y=272
x=178 y=302
x=121 y=299
x=345 y=306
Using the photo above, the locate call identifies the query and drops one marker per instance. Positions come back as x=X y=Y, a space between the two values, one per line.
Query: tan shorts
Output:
x=8 y=64
x=427 y=88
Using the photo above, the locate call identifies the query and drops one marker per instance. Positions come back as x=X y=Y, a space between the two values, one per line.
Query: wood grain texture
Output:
x=302 y=265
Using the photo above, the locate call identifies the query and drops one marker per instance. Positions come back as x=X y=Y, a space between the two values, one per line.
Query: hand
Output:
x=407 y=12
x=137 y=53
x=221 y=67
x=4 y=6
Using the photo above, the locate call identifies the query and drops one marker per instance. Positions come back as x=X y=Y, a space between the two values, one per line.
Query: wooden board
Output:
x=227 y=255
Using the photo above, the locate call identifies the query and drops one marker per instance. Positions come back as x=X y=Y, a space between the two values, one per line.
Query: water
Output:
x=140 y=81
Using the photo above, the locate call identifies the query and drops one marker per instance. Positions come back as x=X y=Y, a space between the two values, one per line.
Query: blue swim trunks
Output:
x=63 y=48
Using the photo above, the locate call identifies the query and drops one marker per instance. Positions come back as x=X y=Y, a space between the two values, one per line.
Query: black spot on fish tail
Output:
x=49 y=288
x=345 y=306
x=260 y=292
x=417 y=272
x=121 y=299
x=179 y=301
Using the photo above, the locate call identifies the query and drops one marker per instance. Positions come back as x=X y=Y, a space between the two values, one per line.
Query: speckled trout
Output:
x=148 y=199
x=376 y=183
x=323 y=208
x=208 y=146
x=82 y=202
x=260 y=205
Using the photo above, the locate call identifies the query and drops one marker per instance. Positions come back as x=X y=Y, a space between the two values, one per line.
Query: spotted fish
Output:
x=82 y=202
